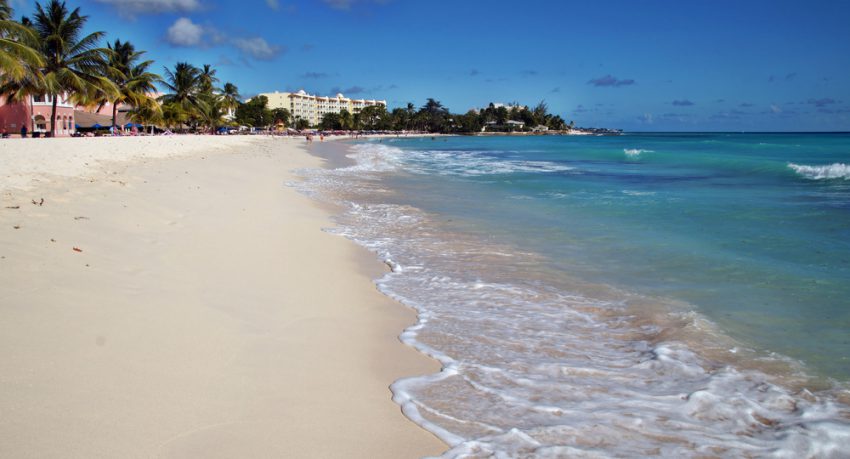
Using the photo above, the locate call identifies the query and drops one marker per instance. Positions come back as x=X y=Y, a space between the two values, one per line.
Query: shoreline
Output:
x=453 y=278
x=141 y=342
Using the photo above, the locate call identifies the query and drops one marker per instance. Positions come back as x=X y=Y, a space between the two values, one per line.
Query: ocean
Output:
x=681 y=295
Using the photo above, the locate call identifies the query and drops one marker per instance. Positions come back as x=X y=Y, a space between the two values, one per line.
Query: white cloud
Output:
x=273 y=4
x=132 y=7
x=775 y=108
x=184 y=32
x=257 y=47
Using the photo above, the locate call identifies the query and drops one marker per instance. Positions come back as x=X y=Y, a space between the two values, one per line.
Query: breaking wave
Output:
x=632 y=152
x=827 y=172
x=384 y=158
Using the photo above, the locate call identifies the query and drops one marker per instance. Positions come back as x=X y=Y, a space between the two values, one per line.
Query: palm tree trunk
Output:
x=53 y=116
x=114 y=114
x=32 y=114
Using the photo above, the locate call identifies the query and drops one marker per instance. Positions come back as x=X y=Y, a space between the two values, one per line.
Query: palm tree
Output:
x=131 y=77
x=433 y=114
x=346 y=120
x=17 y=54
x=207 y=79
x=185 y=84
x=173 y=115
x=72 y=61
x=230 y=96
x=6 y=11
x=148 y=114
x=211 y=112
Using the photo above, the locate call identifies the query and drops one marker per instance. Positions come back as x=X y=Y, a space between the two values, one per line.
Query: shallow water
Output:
x=680 y=295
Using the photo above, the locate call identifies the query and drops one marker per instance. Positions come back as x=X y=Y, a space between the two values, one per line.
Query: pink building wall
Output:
x=36 y=116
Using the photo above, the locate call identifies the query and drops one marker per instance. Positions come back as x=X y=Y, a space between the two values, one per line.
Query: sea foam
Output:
x=383 y=158
x=826 y=172
x=533 y=368
x=632 y=152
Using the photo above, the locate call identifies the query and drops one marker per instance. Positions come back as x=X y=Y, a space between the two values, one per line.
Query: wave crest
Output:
x=827 y=172
x=635 y=151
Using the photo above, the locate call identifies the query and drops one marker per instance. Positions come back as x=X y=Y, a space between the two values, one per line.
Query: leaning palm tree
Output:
x=131 y=77
x=72 y=61
x=17 y=53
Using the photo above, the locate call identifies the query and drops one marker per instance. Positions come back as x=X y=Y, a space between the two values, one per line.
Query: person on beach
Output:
x=24 y=132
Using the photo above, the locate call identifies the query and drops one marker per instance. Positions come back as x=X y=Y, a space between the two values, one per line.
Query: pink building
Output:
x=34 y=113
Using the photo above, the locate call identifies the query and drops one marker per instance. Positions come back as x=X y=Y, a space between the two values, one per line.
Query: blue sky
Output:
x=635 y=65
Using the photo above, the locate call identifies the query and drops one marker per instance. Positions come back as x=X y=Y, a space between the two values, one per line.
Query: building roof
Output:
x=87 y=120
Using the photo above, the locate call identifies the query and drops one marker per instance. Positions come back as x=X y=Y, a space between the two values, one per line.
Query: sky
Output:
x=635 y=65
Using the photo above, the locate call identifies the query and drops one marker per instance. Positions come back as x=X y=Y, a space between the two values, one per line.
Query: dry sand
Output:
x=205 y=315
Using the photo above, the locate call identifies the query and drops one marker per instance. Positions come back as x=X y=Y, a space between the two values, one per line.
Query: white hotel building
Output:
x=313 y=108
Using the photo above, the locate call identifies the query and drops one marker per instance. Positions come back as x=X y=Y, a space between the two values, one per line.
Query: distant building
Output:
x=34 y=113
x=313 y=108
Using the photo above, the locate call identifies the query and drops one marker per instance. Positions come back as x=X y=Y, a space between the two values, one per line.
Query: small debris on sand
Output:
x=17 y=227
x=77 y=249
x=81 y=218
x=13 y=207
x=38 y=203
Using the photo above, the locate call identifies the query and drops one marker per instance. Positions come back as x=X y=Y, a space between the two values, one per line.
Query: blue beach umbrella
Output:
x=97 y=125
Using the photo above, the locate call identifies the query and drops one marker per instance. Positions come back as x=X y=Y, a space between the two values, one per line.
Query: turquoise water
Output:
x=722 y=222
x=674 y=295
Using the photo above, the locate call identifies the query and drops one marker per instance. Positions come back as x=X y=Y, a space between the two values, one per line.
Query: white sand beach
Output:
x=172 y=297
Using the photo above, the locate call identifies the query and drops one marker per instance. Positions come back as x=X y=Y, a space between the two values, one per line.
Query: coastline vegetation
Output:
x=49 y=57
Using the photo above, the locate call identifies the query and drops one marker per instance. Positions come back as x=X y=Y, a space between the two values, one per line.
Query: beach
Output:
x=174 y=297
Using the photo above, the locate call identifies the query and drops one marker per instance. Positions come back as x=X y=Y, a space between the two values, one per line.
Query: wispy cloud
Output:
x=682 y=103
x=136 y=7
x=609 y=80
x=348 y=91
x=821 y=102
x=474 y=72
x=339 y=4
x=258 y=48
x=185 y=33
x=529 y=73
x=745 y=105
x=307 y=47
x=790 y=76
x=273 y=4
x=314 y=75
x=555 y=90
x=346 y=5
